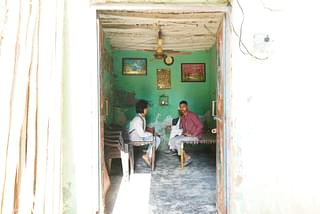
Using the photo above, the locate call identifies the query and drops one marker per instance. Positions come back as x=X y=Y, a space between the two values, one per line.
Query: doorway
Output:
x=221 y=38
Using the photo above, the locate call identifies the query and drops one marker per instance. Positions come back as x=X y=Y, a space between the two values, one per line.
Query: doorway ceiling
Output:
x=180 y=31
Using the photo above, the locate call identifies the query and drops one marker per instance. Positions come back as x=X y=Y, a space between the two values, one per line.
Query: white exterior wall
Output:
x=80 y=120
x=274 y=162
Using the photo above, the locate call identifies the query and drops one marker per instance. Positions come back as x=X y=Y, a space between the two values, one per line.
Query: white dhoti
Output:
x=175 y=143
x=175 y=131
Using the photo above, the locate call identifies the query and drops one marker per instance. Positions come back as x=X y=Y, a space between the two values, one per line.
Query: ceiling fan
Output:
x=159 y=53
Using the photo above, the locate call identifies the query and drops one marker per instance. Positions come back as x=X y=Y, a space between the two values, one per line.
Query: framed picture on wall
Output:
x=134 y=66
x=163 y=78
x=193 y=72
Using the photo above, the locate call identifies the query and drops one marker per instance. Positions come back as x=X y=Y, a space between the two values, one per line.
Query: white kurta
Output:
x=137 y=132
x=137 y=129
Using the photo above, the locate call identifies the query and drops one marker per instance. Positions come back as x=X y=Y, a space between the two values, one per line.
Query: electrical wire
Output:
x=244 y=46
x=241 y=28
x=241 y=44
x=268 y=8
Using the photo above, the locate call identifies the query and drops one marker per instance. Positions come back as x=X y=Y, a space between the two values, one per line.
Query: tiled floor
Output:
x=167 y=190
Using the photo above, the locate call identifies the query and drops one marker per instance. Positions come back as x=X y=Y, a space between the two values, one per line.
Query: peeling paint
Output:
x=67 y=198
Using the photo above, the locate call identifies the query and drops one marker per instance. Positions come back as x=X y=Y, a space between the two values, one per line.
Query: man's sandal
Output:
x=187 y=162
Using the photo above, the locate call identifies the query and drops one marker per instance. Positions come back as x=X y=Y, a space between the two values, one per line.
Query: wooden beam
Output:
x=143 y=19
x=168 y=37
x=164 y=26
x=162 y=8
x=117 y=30
x=165 y=47
x=178 y=49
x=163 y=14
x=166 y=43
x=169 y=40
x=183 y=32
x=171 y=47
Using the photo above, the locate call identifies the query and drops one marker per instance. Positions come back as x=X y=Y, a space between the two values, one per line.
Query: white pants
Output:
x=158 y=141
x=175 y=131
x=175 y=143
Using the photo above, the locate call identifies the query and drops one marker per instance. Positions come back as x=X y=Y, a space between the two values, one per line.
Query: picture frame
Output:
x=163 y=78
x=193 y=72
x=164 y=100
x=134 y=66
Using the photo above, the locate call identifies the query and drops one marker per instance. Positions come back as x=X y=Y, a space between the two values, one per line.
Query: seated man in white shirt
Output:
x=175 y=131
x=138 y=132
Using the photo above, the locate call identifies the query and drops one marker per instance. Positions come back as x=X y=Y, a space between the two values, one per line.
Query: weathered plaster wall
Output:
x=128 y=89
x=274 y=157
x=80 y=103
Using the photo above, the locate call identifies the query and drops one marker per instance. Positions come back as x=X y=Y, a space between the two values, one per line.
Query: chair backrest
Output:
x=151 y=130
x=112 y=136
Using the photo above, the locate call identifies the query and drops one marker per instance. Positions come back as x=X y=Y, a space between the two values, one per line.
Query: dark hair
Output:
x=141 y=105
x=183 y=102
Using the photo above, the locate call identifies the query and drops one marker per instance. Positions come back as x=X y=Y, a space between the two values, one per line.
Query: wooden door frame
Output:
x=223 y=168
x=151 y=7
x=100 y=203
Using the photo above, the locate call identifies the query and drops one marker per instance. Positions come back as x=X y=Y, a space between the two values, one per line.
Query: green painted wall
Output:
x=199 y=95
x=123 y=91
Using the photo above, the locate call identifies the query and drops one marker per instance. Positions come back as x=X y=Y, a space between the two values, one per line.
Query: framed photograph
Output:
x=163 y=78
x=134 y=66
x=193 y=72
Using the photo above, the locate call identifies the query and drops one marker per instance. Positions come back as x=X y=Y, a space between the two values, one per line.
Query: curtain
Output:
x=30 y=105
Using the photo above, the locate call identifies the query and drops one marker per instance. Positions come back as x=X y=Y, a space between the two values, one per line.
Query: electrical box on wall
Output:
x=262 y=44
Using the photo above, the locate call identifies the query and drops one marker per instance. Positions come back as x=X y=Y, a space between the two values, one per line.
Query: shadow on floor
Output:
x=167 y=190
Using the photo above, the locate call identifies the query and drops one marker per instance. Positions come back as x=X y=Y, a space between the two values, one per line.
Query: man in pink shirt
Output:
x=192 y=130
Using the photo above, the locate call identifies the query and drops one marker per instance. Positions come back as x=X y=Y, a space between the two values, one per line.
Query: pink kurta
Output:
x=191 y=124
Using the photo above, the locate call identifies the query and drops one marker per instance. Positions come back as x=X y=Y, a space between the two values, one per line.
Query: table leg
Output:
x=131 y=159
x=181 y=156
x=153 y=156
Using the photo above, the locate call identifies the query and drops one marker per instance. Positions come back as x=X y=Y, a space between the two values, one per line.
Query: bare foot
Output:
x=146 y=160
x=186 y=156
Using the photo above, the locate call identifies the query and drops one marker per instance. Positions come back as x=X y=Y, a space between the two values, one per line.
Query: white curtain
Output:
x=30 y=105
